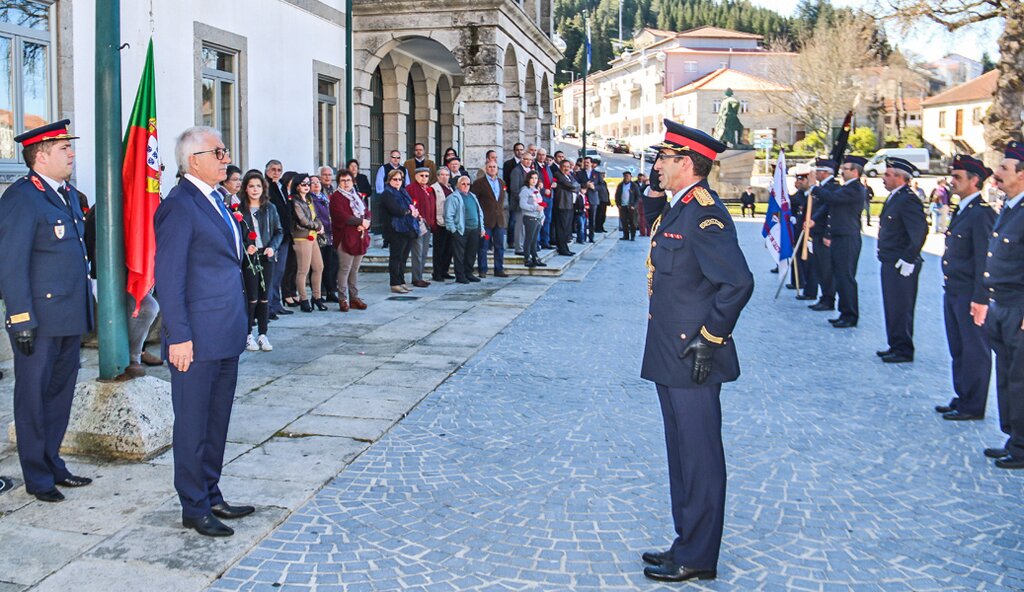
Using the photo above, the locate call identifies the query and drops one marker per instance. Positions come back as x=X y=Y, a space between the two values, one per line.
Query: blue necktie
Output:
x=227 y=219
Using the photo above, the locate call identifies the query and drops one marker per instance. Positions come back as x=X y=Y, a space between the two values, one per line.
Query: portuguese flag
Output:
x=140 y=181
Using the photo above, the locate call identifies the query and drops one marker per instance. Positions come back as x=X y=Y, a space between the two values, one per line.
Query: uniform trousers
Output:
x=845 y=254
x=899 y=295
x=822 y=263
x=805 y=271
x=464 y=251
x=602 y=215
x=696 y=468
x=44 y=386
x=1003 y=324
x=201 y=399
x=971 y=353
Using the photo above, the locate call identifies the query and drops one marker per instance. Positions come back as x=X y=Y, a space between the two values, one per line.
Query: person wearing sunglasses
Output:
x=308 y=227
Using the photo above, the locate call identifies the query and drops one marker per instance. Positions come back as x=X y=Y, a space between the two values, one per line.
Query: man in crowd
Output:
x=627 y=196
x=199 y=280
x=902 y=230
x=566 y=192
x=603 y=201
x=326 y=174
x=506 y=169
x=546 y=181
x=589 y=180
x=747 y=202
x=394 y=164
x=494 y=203
x=844 y=242
x=824 y=173
x=516 y=181
x=442 y=240
x=418 y=161
x=965 y=300
x=279 y=199
x=44 y=279
x=798 y=202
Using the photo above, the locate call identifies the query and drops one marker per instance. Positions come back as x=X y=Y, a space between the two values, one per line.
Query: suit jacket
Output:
x=1004 y=274
x=495 y=208
x=517 y=178
x=566 y=190
x=967 y=236
x=44 y=271
x=284 y=209
x=631 y=199
x=506 y=170
x=411 y=165
x=199 y=277
x=902 y=227
x=845 y=205
x=798 y=207
x=699 y=284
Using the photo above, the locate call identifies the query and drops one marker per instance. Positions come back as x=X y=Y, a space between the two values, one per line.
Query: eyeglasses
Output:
x=396 y=158
x=345 y=180
x=304 y=184
x=218 y=153
x=672 y=156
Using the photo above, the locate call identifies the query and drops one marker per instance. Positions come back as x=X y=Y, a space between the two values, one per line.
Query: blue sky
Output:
x=929 y=41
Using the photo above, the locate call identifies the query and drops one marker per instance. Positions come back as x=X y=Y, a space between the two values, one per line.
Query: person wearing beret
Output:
x=1004 y=319
x=818 y=229
x=902 y=230
x=965 y=296
x=44 y=279
x=698 y=282
x=844 y=242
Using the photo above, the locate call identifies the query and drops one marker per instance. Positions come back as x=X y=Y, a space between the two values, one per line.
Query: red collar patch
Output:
x=38 y=184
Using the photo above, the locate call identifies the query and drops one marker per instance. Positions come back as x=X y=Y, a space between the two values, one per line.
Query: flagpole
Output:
x=782 y=277
x=112 y=322
x=586 y=72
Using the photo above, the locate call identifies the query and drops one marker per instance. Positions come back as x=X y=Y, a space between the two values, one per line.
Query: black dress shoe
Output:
x=286 y=312
x=803 y=297
x=791 y=286
x=228 y=512
x=293 y=303
x=656 y=557
x=320 y=305
x=943 y=408
x=821 y=307
x=1010 y=462
x=273 y=316
x=844 y=324
x=897 y=359
x=996 y=452
x=472 y=278
x=957 y=415
x=53 y=495
x=500 y=274
x=306 y=306
x=888 y=352
x=74 y=481
x=834 y=321
x=449 y=276
x=670 y=572
x=208 y=526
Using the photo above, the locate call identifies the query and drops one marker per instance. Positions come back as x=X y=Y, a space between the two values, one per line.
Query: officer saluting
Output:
x=965 y=300
x=844 y=206
x=698 y=282
x=902 y=230
x=821 y=258
x=1004 y=319
x=45 y=285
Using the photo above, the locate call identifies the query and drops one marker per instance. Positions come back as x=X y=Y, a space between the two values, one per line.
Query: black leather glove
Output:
x=25 y=341
x=701 y=360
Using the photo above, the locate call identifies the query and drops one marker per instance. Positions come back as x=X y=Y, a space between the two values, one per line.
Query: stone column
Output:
x=512 y=118
x=482 y=122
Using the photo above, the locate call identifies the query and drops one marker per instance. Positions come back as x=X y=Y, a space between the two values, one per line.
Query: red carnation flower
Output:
x=543 y=205
x=312 y=236
x=234 y=206
x=252 y=235
x=487 y=237
x=238 y=216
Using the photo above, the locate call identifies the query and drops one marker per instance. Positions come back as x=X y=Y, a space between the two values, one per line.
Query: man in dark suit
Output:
x=844 y=242
x=276 y=191
x=747 y=200
x=965 y=296
x=902 y=230
x=698 y=282
x=490 y=192
x=199 y=280
x=566 y=191
x=506 y=168
x=627 y=196
x=798 y=202
x=590 y=182
x=44 y=278
x=824 y=172
x=603 y=201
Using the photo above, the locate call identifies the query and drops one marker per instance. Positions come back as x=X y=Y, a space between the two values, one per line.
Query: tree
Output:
x=1003 y=121
x=863 y=140
x=987 y=65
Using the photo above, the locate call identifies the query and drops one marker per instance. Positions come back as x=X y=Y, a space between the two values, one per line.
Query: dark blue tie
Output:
x=227 y=219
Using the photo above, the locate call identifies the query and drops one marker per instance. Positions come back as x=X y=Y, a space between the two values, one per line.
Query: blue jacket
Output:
x=397 y=204
x=44 y=270
x=965 y=257
x=455 y=211
x=902 y=228
x=198 y=277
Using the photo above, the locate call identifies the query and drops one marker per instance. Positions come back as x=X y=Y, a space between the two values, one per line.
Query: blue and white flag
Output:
x=588 y=44
x=778 y=224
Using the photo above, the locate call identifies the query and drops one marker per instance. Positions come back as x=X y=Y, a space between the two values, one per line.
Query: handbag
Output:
x=423 y=230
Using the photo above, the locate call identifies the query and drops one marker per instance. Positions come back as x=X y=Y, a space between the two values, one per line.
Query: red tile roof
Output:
x=979 y=89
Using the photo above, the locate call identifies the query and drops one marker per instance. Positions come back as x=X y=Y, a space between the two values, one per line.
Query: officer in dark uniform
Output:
x=825 y=173
x=970 y=228
x=45 y=283
x=798 y=202
x=844 y=207
x=1004 y=319
x=698 y=282
x=902 y=230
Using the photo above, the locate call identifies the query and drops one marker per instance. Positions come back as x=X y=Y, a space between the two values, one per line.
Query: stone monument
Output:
x=729 y=128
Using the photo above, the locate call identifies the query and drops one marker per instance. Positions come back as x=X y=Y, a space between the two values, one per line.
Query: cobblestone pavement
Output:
x=540 y=464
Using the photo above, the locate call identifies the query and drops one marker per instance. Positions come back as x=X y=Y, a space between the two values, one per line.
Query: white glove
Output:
x=905 y=268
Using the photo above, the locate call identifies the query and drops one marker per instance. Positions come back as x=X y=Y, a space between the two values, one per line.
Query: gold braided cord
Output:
x=650 y=264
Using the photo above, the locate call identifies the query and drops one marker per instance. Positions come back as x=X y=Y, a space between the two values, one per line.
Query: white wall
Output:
x=940 y=137
x=282 y=42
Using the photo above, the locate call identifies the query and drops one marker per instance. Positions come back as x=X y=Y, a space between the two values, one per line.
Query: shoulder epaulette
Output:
x=37 y=183
x=702 y=196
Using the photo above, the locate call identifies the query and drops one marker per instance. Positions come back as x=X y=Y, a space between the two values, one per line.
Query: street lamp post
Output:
x=572 y=75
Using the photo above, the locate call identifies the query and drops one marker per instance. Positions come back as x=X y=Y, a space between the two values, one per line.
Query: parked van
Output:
x=915 y=156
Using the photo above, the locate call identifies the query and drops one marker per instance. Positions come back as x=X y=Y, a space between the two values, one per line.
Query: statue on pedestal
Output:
x=729 y=128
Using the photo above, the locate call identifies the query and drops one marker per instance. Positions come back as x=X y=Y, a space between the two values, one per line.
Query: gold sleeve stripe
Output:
x=706 y=335
x=20 y=318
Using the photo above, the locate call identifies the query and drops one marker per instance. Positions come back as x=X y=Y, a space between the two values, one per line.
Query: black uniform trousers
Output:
x=44 y=386
x=1003 y=324
x=465 y=248
x=971 y=353
x=201 y=398
x=399 y=248
x=602 y=216
x=845 y=254
x=805 y=269
x=563 y=224
x=442 y=253
x=696 y=469
x=627 y=220
x=822 y=262
x=899 y=296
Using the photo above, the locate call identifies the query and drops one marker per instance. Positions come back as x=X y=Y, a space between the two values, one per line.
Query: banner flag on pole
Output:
x=778 y=224
x=140 y=178
x=588 y=45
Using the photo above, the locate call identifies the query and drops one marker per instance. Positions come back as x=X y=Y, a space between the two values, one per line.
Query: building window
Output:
x=410 y=118
x=976 y=116
x=376 y=120
x=613 y=104
x=716 y=106
x=942 y=119
x=327 y=121
x=220 y=93
x=26 y=95
x=744 y=106
x=659 y=92
x=691 y=66
x=437 y=127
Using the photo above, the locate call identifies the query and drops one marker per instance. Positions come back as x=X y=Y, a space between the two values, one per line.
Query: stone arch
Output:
x=531 y=123
x=445 y=128
x=547 y=114
x=389 y=103
x=417 y=109
x=512 y=111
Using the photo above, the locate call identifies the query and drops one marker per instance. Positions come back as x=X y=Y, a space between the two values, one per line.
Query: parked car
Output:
x=915 y=156
x=591 y=138
x=621 y=147
x=650 y=155
x=570 y=132
x=594 y=155
x=610 y=143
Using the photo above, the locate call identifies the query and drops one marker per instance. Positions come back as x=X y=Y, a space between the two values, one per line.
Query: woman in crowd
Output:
x=325 y=240
x=442 y=238
x=350 y=221
x=465 y=220
x=263 y=235
x=404 y=228
x=307 y=227
x=533 y=216
x=359 y=180
x=231 y=185
x=288 y=294
x=425 y=202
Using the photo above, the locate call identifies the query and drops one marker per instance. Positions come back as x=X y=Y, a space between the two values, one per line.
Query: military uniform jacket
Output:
x=798 y=207
x=966 y=247
x=698 y=282
x=44 y=271
x=820 y=208
x=902 y=228
x=845 y=204
x=1004 y=270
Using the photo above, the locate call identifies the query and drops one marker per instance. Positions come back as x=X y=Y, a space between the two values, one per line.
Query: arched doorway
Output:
x=512 y=112
x=532 y=120
x=546 y=112
x=410 y=117
x=445 y=107
x=376 y=120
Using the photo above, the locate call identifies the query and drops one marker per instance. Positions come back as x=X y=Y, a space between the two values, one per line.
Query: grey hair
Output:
x=461 y=177
x=272 y=161
x=444 y=170
x=190 y=141
x=324 y=166
x=906 y=176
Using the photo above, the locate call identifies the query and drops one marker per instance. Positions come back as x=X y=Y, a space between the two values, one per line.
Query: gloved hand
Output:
x=701 y=360
x=25 y=341
x=905 y=268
